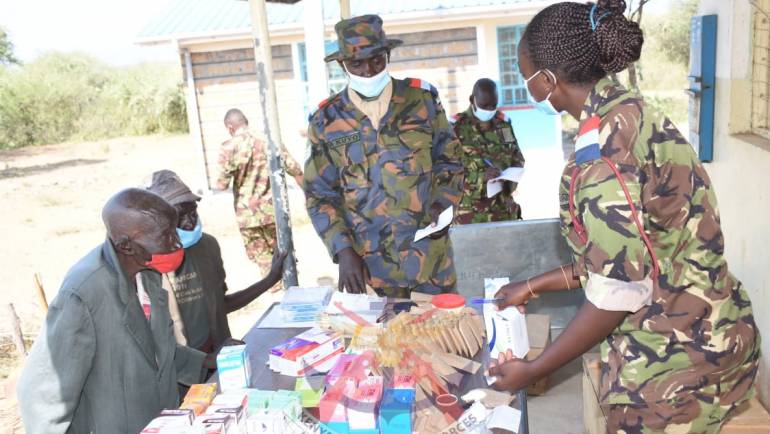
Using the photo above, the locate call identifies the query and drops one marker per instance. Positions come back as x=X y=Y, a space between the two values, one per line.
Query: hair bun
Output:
x=619 y=39
x=616 y=7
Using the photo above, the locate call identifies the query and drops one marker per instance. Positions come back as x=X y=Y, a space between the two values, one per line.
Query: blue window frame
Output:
x=513 y=90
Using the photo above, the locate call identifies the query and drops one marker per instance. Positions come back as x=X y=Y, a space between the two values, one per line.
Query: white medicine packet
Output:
x=507 y=328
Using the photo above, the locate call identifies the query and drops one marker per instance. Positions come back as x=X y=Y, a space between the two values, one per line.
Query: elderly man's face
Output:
x=368 y=67
x=159 y=234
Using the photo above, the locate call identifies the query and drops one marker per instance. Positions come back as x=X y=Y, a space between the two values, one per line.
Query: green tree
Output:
x=672 y=31
x=6 y=49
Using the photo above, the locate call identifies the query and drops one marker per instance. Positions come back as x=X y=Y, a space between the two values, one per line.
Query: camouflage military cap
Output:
x=168 y=185
x=360 y=38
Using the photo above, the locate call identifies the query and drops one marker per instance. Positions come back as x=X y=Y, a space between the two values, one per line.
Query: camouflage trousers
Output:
x=260 y=242
x=687 y=415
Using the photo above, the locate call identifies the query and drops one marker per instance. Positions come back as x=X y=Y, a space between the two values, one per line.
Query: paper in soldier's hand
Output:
x=512 y=174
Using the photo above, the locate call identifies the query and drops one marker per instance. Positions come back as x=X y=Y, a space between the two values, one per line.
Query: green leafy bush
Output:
x=63 y=96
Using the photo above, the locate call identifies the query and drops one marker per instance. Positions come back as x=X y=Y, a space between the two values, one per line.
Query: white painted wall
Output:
x=741 y=170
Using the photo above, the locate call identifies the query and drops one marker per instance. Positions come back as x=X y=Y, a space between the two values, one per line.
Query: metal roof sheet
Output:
x=202 y=17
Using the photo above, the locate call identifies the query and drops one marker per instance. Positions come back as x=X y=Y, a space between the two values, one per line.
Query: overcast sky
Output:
x=103 y=28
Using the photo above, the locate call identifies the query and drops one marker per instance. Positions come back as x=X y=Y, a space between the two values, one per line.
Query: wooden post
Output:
x=40 y=293
x=272 y=132
x=315 y=35
x=18 y=338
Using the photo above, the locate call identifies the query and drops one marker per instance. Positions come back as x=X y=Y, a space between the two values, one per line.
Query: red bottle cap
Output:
x=448 y=301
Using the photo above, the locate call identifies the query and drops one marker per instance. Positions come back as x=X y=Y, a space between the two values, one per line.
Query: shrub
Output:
x=62 y=96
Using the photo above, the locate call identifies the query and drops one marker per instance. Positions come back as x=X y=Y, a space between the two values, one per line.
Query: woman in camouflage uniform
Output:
x=678 y=340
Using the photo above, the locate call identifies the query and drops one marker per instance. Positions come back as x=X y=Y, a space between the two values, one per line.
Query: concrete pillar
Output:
x=315 y=37
x=344 y=9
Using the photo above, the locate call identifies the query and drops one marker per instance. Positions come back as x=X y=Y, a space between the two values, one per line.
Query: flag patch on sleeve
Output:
x=587 y=142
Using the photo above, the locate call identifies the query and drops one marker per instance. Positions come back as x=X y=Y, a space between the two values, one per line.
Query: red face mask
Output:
x=167 y=262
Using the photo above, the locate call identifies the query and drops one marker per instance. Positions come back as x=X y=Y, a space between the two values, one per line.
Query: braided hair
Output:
x=583 y=42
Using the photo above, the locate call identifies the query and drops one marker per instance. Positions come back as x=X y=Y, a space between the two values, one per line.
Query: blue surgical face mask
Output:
x=190 y=238
x=545 y=105
x=369 y=86
x=483 y=115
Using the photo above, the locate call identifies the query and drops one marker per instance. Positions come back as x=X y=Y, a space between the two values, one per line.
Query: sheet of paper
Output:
x=275 y=320
x=506 y=418
x=495 y=186
x=307 y=295
x=444 y=220
x=507 y=328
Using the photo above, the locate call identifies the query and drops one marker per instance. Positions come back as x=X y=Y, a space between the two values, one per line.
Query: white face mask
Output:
x=483 y=115
x=369 y=86
x=545 y=105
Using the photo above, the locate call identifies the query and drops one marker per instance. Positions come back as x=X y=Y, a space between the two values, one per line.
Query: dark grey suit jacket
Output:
x=98 y=366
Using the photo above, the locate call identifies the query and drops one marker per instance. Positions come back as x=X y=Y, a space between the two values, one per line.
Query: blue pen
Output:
x=489 y=163
x=479 y=300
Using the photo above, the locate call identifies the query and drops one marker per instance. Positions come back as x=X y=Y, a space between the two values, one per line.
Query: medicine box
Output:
x=233 y=368
x=396 y=411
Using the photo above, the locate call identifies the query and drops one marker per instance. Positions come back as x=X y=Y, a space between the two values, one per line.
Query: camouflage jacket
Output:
x=371 y=189
x=243 y=160
x=690 y=326
x=495 y=142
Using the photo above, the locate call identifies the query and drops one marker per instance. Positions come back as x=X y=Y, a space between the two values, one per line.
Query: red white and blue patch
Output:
x=587 y=143
x=422 y=84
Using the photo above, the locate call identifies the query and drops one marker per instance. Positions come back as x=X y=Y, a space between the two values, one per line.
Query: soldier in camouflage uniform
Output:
x=382 y=162
x=679 y=344
x=243 y=161
x=488 y=147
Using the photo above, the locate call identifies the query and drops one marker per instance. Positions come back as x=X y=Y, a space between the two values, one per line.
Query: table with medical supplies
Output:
x=260 y=341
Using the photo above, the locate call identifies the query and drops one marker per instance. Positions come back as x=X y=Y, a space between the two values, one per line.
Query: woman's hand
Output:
x=514 y=294
x=512 y=373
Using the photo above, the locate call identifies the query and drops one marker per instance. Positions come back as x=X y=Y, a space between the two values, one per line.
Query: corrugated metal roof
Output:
x=202 y=17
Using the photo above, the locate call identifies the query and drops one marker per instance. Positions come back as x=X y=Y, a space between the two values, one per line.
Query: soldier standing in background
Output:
x=489 y=146
x=382 y=162
x=243 y=161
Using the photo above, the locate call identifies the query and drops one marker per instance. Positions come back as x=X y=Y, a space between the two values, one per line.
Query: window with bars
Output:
x=512 y=88
x=760 y=104
x=336 y=78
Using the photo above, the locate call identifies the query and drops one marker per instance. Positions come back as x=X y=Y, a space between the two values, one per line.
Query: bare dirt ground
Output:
x=53 y=197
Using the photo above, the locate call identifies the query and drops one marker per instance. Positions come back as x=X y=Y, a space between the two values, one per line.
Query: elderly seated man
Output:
x=106 y=360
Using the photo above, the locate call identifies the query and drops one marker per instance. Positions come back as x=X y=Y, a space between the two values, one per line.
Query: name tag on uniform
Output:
x=506 y=134
x=345 y=140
